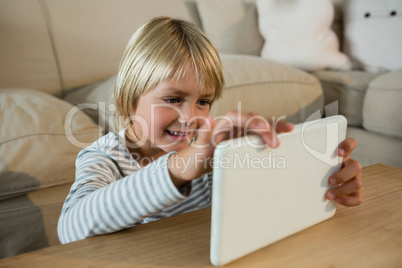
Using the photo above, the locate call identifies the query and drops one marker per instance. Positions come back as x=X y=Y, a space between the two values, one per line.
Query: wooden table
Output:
x=369 y=235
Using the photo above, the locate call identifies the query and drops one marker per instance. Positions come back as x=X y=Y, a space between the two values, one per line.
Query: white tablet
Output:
x=261 y=195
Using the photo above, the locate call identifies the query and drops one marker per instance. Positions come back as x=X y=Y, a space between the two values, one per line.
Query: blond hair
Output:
x=162 y=49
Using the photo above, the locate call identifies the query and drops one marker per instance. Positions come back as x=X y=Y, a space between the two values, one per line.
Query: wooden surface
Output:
x=369 y=235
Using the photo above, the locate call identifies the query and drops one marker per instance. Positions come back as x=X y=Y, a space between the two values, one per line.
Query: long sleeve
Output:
x=102 y=201
x=112 y=192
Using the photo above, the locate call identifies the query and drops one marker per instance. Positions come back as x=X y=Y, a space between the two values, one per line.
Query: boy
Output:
x=158 y=165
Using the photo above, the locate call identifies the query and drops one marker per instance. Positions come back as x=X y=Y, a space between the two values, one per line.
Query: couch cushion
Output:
x=382 y=108
x=349 y=89
x=97 y=101
x=35 y=151
x=373 y=34
x=231 y=25
x=298 y=33
x=269 y=88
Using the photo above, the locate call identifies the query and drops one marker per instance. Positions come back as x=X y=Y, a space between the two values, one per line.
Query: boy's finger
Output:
x=264 y=128
x=352 y=186
x=266 y=132
x=279 y=126
x=354 y=199
x=351 y=168
x=204 y=131
x=283 y=126
x=251 y=122
x=346 y=147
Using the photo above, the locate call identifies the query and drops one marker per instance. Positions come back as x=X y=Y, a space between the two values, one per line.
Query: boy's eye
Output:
x=173 y=100
x=204 y=102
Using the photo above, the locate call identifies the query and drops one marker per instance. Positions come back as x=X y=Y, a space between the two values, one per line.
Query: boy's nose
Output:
x=186 y=116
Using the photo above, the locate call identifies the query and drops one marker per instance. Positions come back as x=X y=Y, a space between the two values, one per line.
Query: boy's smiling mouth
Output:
x=177 y=135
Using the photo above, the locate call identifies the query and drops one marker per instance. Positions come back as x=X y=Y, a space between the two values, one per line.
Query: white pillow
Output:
x=298 y=33
x=373 y=34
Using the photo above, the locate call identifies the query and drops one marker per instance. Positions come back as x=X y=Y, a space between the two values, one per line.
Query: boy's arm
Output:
x=233 y=124
x=100 y=201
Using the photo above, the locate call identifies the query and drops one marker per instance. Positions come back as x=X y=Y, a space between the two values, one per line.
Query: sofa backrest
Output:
x=56 y=45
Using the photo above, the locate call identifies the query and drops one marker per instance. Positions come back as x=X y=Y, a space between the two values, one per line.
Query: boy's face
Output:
x=166 y=117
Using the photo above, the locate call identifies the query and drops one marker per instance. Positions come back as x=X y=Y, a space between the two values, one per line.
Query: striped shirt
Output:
x=112 y=192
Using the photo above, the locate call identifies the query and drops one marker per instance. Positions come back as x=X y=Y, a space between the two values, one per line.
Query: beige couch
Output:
x=370 y=100
x=58 y=54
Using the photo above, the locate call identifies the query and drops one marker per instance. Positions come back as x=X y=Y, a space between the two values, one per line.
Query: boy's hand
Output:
x=348 y=180
x=235 y=124
x=211 y=132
